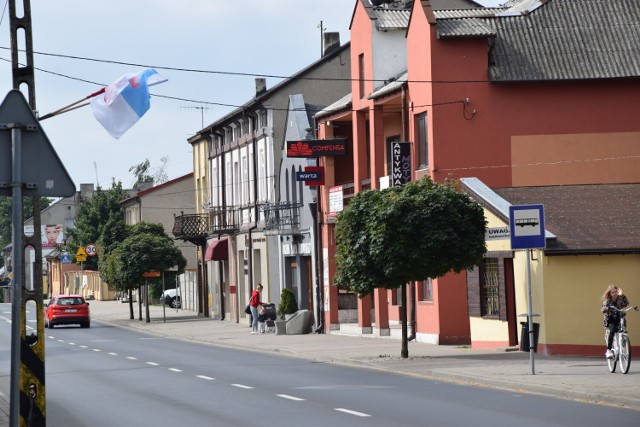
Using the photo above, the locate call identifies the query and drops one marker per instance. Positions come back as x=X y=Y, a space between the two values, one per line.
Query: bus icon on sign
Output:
x=522 y=222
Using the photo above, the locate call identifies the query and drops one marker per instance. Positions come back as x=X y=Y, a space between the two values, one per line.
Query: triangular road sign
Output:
x=43 y=174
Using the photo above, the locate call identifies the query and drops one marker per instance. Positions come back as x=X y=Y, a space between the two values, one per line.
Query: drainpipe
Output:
x=221 y=170
x=256 y=211
x=412 y=286
x=317 y=249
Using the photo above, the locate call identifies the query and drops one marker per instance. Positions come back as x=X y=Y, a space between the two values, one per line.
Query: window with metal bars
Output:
x=489 y=287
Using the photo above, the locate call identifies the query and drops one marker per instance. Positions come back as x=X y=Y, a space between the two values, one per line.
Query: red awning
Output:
x=217 y=250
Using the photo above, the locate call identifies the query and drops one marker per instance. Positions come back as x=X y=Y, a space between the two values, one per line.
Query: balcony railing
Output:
x=224 y=220
x=281 y=217
x=191 y=227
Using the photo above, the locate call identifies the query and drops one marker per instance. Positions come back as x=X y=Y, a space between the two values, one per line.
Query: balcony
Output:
x=281 y=218
x=191 y=227
x=224 y=220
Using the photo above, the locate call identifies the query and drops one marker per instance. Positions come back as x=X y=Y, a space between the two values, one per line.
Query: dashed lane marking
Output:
x=350 y=412
x=204 y=377
x=286 y=396
x=246 y=387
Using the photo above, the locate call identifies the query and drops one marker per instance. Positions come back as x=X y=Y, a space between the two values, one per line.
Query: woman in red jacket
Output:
x=253 y=305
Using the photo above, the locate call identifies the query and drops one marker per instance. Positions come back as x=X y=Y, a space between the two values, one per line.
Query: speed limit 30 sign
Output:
x=91 y=249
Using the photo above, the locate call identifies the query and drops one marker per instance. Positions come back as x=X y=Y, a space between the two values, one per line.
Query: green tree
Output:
x=385 y=239
x=94 y=217
x=6 y=218
x=143 y=173
x=146 y=248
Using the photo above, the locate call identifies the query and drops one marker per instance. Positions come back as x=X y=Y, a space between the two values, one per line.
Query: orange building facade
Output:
x=441 y=84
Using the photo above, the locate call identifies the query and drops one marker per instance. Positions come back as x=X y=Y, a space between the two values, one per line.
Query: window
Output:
x=294 y=190
x=426 y=290
x=236 y=183
x=490 y=287
x=423 y=141
x=361 y=75
x=262 y=174
x=245 y=180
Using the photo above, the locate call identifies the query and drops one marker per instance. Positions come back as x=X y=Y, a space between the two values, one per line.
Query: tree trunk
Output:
x=131 y=315
x=146 y=303
x=403 y=318
x=139 y=303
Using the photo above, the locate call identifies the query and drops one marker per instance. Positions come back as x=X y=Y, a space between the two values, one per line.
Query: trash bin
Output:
x=524 y=341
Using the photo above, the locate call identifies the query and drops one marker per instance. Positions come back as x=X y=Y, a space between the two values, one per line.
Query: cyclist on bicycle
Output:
x=613 y=297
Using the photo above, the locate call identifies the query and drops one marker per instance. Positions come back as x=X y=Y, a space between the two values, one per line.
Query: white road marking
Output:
x=175 y=370
x=205 y=377
x=60 y=340
x=286 y=396
x=113 y=354
x=84 y=346
x=153 y=364
x=96 y=349
x=242 y=386
x=71 y=343
x=350 y=412
x=132 y=358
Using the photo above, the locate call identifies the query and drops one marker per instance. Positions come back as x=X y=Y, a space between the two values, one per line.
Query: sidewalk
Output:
x=577 y=378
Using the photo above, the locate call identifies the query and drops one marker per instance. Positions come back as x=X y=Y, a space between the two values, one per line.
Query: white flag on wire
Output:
x=125 y=101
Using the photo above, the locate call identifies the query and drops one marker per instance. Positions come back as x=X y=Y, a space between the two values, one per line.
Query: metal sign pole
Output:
x=17 y=255
x=530 y=313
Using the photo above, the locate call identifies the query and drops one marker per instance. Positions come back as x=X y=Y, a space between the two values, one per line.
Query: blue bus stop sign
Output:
x=526 y=225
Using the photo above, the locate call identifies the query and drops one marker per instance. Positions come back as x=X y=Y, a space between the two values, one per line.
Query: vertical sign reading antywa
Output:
x=400 y=163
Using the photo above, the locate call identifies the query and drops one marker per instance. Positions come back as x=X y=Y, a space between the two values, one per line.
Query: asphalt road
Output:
x=105 y=376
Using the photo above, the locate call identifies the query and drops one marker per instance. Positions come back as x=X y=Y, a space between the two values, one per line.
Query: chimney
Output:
x=145 y=185
x=331 y=42
x=261 y=86
x=86 y=191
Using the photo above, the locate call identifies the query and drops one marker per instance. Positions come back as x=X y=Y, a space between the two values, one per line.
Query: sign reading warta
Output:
x=312 y=175
x=309 y=148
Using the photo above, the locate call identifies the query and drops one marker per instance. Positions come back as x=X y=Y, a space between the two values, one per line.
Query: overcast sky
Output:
x=274 y=37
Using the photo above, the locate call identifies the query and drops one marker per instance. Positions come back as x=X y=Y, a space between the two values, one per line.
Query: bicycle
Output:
x=621 y=347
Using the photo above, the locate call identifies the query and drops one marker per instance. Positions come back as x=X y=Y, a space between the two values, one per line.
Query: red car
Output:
x=67 y=310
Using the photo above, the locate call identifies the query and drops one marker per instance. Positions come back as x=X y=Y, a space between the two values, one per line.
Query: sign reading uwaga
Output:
x=316 y=148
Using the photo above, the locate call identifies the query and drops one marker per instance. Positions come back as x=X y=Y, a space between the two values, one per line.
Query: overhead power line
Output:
x=244 y=74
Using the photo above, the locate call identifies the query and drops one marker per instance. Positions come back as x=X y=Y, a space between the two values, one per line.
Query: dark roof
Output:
x=538 y=40
x=600 y=218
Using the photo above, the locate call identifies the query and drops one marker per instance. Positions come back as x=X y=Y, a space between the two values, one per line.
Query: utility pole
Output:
x=321 y=38
x=27 y=395
x=22 y=137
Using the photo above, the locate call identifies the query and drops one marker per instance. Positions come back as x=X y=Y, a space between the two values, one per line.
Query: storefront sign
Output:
x=310 y=148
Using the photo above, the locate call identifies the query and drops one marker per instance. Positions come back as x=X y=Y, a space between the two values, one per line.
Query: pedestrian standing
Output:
x=253 y=304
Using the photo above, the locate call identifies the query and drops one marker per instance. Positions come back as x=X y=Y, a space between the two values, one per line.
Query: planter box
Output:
x=281 y=327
